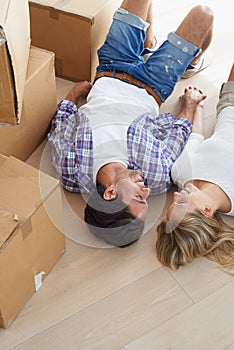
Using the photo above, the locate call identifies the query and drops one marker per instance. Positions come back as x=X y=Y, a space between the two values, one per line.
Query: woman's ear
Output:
x=110 y=193
x=208 y=211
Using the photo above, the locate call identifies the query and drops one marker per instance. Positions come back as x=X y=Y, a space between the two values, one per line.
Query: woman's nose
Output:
x=176 y=195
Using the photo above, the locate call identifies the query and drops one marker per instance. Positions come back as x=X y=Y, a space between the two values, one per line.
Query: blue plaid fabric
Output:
x=154 y=143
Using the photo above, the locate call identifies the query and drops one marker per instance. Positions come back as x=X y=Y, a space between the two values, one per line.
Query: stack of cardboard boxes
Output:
x=28 y=91
x=31 y=229
x=35 y=38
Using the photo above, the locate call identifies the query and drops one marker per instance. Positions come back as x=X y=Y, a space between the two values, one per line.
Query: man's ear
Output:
x=110 y=193
x=208 y=211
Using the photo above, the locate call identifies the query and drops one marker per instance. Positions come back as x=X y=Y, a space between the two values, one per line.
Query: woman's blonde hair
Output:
x=196 y=236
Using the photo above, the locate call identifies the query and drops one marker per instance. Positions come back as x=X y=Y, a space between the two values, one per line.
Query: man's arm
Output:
x=177 y=132
x=63 y=133
x=194 y=105
x=192 y=108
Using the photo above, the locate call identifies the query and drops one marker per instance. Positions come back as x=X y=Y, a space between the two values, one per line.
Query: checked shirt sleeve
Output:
x=62 y=140
x=154 y=143
x=178 y=131
x=170 y=145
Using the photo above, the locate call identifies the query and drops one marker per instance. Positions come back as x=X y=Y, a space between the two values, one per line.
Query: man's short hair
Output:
x=111 y=221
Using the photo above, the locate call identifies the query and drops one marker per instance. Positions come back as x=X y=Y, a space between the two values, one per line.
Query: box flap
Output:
x=23 y=188
x=38 y=58
x=14 y=19
x=7 y=91
x=87 y=8
x=8 y=223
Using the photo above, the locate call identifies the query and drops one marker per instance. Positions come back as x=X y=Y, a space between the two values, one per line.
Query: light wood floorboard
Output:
x=119 y=317
x=122 y=299
x=205 y=326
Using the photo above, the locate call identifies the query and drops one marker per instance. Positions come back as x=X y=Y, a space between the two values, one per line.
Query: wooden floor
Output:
x=116 y=299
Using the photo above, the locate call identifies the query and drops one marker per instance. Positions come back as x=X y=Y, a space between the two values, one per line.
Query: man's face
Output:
x=134 y=193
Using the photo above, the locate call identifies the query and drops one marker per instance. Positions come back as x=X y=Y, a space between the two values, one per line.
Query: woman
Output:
x=205 y=174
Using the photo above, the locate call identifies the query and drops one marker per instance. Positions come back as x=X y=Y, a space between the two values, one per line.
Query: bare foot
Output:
x=190 y=100
x=78 y=91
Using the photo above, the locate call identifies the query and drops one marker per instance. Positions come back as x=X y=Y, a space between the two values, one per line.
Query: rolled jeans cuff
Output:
x=183 y=44
x=129 y=18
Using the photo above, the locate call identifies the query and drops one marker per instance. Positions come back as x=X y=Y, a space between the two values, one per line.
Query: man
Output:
x=116 y=146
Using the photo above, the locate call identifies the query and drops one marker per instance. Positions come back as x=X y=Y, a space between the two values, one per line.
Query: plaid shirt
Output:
x=154 y=143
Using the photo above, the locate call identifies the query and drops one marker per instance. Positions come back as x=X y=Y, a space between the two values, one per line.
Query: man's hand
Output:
x=192 y=107
x=78 y=91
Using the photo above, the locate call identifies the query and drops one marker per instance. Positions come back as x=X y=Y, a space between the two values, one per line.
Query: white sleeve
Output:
x=181 y=169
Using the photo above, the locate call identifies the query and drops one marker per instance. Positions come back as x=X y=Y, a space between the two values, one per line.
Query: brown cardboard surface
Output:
x=31 y=238
x=74 y=30
x=7 y=90
x=39 y=106
x=14 y=20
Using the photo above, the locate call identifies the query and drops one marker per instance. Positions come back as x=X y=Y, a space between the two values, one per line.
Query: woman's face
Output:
x=189 y=199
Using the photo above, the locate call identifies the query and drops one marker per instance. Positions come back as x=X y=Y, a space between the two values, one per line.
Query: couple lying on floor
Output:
x=119 y=149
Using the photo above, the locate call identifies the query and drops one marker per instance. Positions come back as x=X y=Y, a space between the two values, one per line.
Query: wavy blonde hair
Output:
x=196 y=236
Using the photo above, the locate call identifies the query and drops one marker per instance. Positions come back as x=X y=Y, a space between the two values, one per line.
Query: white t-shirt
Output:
x=211 y=159
x=111 y=107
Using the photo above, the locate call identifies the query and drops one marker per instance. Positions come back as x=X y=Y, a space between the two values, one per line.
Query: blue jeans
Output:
x=124 y=45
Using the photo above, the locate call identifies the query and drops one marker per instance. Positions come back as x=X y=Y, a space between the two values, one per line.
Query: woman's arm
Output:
x=193 y=102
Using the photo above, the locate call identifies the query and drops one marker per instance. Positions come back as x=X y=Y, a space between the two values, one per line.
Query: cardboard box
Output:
x=14 y=53
x=31 y=238
x=74 y=30
x=39 y=106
